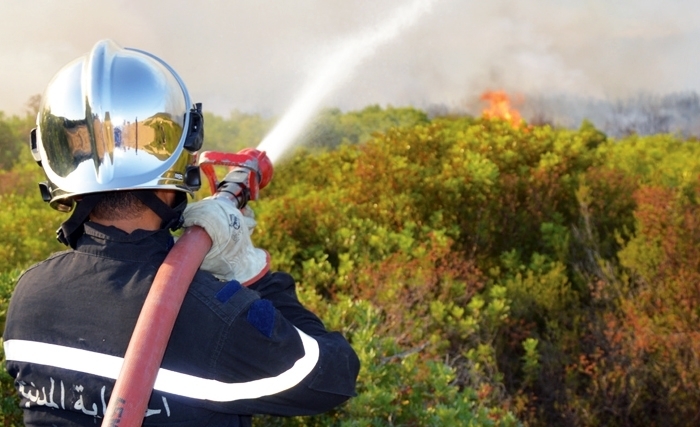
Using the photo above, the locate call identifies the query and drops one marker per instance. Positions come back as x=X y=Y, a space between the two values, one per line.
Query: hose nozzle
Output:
x=249 y=171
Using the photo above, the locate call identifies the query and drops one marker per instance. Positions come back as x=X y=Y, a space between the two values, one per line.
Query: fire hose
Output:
x=249 y=171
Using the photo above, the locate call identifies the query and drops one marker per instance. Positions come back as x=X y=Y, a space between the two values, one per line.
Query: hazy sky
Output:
x=256 y=55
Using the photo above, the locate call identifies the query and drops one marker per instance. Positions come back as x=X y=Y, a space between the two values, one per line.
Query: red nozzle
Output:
x=264 y=164
x=255 y=162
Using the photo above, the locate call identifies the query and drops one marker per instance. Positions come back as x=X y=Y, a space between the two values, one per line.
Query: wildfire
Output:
x=500 y=107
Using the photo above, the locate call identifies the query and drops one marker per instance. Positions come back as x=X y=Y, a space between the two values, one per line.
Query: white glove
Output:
x=232 y=255
x=249 y=218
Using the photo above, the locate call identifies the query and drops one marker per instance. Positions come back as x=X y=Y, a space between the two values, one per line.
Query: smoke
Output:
x=642 y=114
x=252 y=56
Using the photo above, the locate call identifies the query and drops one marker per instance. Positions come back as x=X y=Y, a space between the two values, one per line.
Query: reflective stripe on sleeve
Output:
x=167 y=381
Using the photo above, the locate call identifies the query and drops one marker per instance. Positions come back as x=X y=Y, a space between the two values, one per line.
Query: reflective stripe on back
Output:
x=167 y=381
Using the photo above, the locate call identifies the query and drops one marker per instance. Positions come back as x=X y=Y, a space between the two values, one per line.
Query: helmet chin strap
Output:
x=171 y=216
x=71 y=229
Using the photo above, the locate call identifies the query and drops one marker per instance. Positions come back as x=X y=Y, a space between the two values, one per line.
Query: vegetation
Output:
x=485 y=274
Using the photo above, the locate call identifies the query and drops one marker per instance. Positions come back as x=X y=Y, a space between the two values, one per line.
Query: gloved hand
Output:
x=232 y=255
x=249 y=218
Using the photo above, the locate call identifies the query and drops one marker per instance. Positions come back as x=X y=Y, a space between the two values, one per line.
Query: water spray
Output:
x=334 y=71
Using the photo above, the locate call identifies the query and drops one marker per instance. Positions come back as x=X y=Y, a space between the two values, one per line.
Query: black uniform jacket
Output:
x=234 y=351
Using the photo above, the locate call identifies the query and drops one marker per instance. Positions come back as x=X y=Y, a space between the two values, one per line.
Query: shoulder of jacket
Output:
x=46 y=261
x=226 y=299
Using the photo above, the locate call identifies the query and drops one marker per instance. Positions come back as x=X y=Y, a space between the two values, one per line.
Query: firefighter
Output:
x=116 y=137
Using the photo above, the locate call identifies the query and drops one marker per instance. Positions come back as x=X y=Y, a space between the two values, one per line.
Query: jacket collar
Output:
x=109 y=241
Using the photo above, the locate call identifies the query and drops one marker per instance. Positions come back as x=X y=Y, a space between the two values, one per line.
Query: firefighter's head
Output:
x=115 y=120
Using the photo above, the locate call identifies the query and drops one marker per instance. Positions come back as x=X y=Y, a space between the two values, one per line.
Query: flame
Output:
x=500 y=108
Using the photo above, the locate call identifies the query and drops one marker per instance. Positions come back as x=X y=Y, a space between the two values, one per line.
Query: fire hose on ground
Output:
x=249 y=171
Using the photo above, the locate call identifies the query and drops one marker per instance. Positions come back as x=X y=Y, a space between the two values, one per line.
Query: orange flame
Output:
x=500 y=108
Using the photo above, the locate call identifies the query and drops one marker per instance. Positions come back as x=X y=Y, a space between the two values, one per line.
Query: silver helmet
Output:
x=116 y=119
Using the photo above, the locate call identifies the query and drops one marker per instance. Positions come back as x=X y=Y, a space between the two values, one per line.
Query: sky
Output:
x=256 y=56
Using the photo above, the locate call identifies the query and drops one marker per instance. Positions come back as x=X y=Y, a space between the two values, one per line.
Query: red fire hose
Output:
x=144 y=354
x=250 y=170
